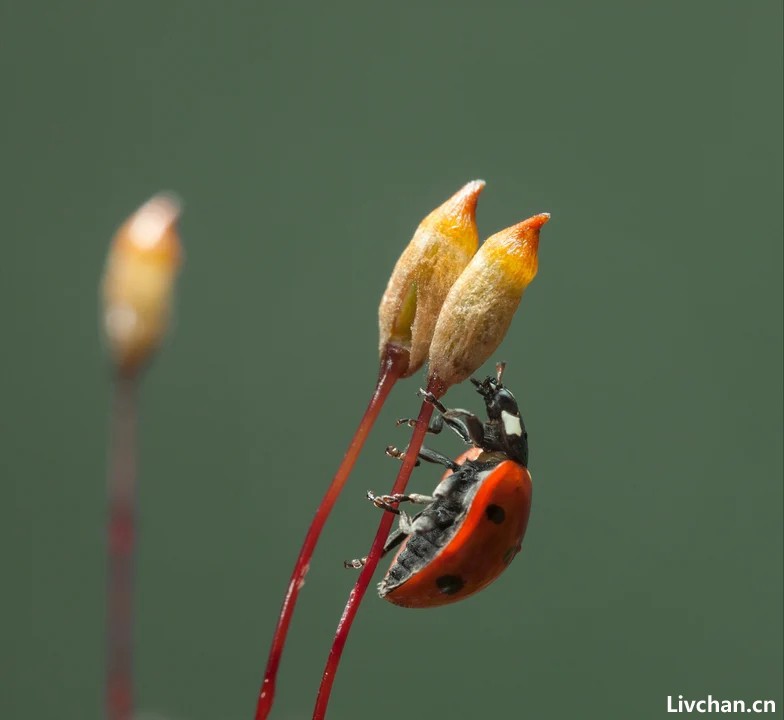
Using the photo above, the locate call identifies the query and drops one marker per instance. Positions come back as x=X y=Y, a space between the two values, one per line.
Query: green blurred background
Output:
x=307 y=141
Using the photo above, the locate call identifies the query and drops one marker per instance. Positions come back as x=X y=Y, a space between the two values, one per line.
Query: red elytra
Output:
x=478 y=550
x=474 y=524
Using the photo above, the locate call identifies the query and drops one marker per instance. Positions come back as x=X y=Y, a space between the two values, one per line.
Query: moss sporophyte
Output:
x=442 y=245
x=446 y=304
x=137 y=289
x=473 y=320
x=441 y=255
x=138 y=283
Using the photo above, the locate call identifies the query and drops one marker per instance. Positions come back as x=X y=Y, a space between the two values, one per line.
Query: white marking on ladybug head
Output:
x=512 y=424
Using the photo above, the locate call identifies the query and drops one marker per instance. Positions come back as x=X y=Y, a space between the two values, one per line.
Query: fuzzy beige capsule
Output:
x=442 y=246
x=138 y=282
x=479 y=308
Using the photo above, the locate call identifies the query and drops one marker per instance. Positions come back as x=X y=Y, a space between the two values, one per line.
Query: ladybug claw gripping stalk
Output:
x=355 y=564
x=393 y=452
x=428 y=397
x=384 y=502
x=473 y=524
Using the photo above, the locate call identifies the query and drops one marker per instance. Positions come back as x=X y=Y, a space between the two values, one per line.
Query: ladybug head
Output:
x=505 y=428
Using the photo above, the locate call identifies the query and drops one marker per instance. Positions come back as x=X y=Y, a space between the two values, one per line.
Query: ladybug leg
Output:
x=395 y=539
x=432 y=399
x=437 y=458
x=390 y=502
x=425 y=454
x=355 y=564
x=393 y=452
x=435 y=427
x=408 y=525
x=467 y=425
x=417 y=498
x=384 y=502
x=464 y=423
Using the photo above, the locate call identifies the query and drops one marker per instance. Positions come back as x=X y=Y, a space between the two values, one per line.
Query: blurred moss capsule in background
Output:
x=442 y=246
x=479 y=308
x=138 y=282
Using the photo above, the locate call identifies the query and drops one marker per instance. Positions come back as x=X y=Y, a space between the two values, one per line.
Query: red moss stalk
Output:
x=474 y=318
x=392 y=367
x=121 y=541
x=137 y=288
x=438 y=389
x=442 y=246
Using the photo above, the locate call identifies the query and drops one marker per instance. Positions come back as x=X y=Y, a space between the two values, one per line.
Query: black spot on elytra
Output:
x=450 y=584
x=495 y=514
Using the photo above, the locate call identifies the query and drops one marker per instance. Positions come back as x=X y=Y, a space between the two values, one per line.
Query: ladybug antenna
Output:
x=488 y=387
x=499 y=371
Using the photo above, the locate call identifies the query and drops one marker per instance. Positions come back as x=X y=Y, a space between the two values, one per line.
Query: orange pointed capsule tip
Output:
x=516 y=250
x=442 y=246
x=458 y=214
x=138 y=282
x=479 y=308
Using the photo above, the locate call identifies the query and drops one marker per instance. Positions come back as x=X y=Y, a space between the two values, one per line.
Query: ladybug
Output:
x=473 y=524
